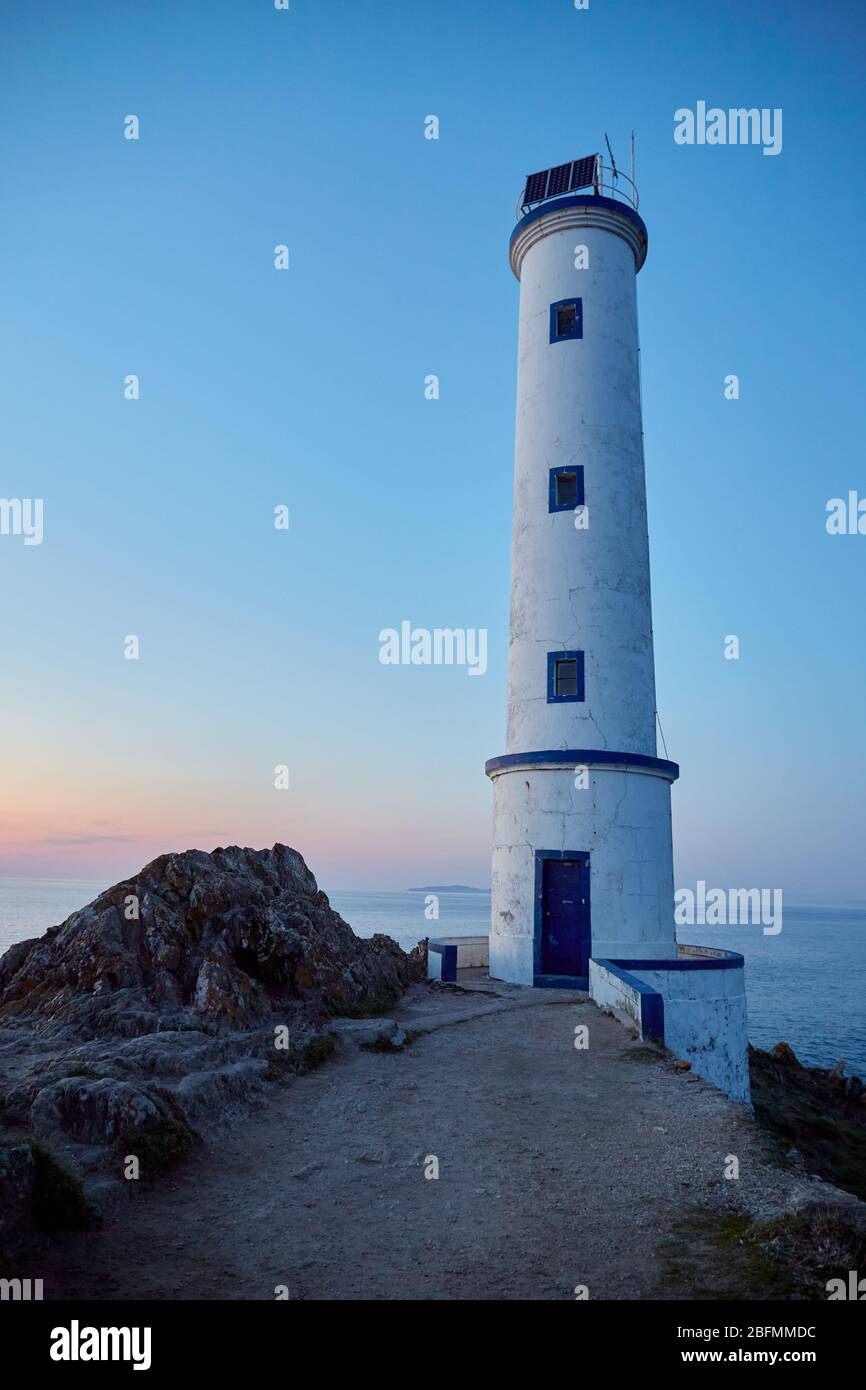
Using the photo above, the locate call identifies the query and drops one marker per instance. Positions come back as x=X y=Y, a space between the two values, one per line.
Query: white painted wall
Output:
x=578 y=402
x=706 y=1024
x=434 y=965
x=473 y=952
x=610 y=992
x=705 y=1020
x=624 y=819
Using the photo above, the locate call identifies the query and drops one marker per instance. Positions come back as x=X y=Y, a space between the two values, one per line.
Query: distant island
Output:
x=447 y=888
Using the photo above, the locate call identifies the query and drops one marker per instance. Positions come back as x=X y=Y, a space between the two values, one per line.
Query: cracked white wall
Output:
x=623 y=818
x=578 y=402
x=705 y=1015
x=706 y=1023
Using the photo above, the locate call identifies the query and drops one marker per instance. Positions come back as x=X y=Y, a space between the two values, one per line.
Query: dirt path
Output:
x=557 y=1167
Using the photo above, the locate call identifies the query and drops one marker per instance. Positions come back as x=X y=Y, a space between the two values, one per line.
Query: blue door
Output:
x=565 y=928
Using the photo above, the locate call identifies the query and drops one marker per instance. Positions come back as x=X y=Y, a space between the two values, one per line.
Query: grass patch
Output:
x=317 y=1051
x=58 y=1202
x=716 y=1255
x=159 y=1148
x=814 y=1245
x=371 y=1008
x=284 y=1064
x=713 y=1255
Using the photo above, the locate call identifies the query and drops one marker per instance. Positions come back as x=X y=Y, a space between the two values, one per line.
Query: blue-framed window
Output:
x=564 y=677
x=566 y=488
x=566 y=320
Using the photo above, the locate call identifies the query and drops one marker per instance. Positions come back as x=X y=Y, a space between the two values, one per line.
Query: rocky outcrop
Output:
x=173 y=999
x=784 y=1054
x=227 y=938
x=816 y=1116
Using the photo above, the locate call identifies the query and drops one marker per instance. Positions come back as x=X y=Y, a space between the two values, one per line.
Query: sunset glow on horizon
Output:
x=259 y=647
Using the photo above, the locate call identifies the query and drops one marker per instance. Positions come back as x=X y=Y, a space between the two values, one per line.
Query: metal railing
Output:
x=608 y=182
x=610 y=185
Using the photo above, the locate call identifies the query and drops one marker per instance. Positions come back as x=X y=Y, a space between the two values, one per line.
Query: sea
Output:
x=806 y=986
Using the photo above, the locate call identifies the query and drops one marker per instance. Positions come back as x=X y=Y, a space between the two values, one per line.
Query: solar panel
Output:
x=536 y=187
x=559 y=180
x=564 y=178
x=582 y=173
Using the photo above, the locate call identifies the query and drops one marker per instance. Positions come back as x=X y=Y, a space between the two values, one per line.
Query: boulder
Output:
x=160 y=1002
x=217 y=939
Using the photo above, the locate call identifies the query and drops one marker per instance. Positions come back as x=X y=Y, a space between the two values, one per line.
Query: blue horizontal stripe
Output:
x=580 y=756
x=582 y=200
x=731 y=960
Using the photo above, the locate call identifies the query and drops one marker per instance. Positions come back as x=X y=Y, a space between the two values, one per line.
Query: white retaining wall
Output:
x=705 y=1019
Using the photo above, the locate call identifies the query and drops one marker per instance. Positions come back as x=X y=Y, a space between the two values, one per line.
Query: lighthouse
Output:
x=582 y=853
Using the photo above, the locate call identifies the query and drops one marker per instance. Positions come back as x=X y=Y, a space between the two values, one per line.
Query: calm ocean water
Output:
x=807 y=985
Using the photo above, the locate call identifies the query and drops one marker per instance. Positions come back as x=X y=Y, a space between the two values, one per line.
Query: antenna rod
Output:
x=610 y=152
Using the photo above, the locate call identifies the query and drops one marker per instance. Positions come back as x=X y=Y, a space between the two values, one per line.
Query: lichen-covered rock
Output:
x=160 y=1002
x=226 y=937
x=94 y=1112
x=228 y=1090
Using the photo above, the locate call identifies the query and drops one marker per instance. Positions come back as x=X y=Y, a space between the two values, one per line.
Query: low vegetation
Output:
x=820 y=1114
x=159 y=1148
x=57 y=1201
x=717 y=1255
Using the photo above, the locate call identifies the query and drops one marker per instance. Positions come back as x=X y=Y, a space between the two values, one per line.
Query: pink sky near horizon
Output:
x=260 y=647
x=61 y=825
x=48 y=831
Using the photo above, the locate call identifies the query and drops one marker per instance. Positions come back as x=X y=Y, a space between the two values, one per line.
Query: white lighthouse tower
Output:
x=582 y=855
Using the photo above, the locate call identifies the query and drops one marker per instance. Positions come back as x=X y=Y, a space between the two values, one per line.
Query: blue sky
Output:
x=305 y=388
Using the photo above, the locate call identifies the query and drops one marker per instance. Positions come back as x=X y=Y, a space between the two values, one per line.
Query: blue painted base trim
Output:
x=580 y=756
x=652 y=1004
x=731 y=960
x=560 y=982
x=587 y=200
x=449 y=960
